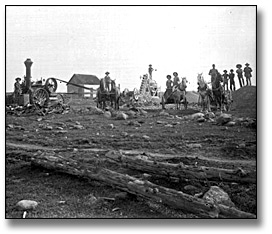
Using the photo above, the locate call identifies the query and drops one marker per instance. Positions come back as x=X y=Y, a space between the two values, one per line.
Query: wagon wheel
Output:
x=51 y=85
x=40 y=97
x=136 y=94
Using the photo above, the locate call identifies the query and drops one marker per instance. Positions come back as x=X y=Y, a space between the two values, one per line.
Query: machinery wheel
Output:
x=136 y=94
x=51 y=85
x=60 y=98
x=40 y=97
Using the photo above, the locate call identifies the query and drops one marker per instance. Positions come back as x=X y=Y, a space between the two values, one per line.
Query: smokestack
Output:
x=28 y=64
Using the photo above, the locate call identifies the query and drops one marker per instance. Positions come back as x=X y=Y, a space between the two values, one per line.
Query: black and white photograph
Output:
x=131 y=112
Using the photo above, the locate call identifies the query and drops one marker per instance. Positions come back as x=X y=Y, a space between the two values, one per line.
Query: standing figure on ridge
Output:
x=231 y=78
x=225 y=80
x=213 y=73
x=247 y=71
x=239 y=72
x=17 y=90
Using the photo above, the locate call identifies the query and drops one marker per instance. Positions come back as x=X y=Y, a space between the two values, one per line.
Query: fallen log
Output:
x=181 y=171
x=93 y=169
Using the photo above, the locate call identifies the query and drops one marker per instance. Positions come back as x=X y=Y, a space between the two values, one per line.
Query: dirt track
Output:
x=221 y=146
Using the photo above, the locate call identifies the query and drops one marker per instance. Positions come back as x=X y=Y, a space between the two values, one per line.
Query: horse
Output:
x=178 y=94
x=205 y=94
x=111 y=93
x=218 y=91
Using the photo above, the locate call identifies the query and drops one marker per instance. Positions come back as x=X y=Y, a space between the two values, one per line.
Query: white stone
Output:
x=26 y=205
x=217 y=195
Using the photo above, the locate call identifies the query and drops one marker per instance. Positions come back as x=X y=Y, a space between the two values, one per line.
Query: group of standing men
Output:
x=230 y=77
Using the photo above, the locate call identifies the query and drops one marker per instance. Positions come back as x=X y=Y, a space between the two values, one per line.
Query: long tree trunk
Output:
x=181 y=171
x=93 y=169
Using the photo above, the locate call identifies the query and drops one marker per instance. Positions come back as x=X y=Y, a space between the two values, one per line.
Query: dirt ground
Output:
x=65 y=196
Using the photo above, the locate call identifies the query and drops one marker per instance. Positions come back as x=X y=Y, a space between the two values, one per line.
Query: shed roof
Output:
x=84 y=79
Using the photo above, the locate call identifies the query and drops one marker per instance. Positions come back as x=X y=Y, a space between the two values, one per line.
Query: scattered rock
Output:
x=48 y=127
x=209 y=115
x=95 y=110
x=91 y=198
x=230 y=124
x=161 y=122
x=10 y=126
x=163 y=113
x=26 y=205
x=121 y=116
x=218 y=196
x=194 y=145
x=107 y=114
x=224 y=118
x=124 y=134
x=146 y=137
x=197 y=115
x=142 y=112
x=59 y=128
x=121 y=195
x=134 y=123
x=131 y=113
x=78 y=127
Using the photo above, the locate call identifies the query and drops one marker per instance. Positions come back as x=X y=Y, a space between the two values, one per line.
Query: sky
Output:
x=62 y=41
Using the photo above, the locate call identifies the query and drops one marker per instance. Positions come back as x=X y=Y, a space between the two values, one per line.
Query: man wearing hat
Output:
x=169 y=86
x=150 y=70
x=107 y=80
x=231 y=78
x=176 y=80
x=17 y=89
x=225 y=80
x=247 y=71
x=213 y=73
x=239 y=72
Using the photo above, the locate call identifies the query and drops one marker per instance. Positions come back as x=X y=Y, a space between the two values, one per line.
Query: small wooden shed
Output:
x=90 y=81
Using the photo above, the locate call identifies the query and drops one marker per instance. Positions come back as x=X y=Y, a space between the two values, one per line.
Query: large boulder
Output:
x=224 y=118
x=217 y=195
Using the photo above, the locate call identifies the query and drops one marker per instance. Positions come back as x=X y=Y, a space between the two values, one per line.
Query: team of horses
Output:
x=108 y=93
x=216 y=94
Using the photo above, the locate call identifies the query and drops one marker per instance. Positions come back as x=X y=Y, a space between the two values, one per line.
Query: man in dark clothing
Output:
x=247 y=71
x=231 y=78
x=225 y=80
x=17 y=90
x=239 y=72
x=169 y=86
x=150 y=70
x=213 y=73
